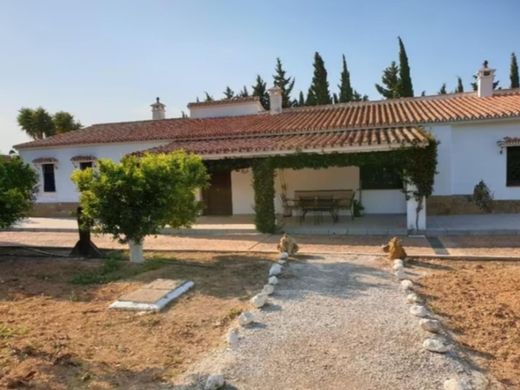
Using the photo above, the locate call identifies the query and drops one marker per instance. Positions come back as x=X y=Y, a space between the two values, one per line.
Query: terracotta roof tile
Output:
x=342 y=139
x=358 y=115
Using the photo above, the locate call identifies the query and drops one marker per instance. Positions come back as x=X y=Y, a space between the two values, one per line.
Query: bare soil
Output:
x=58 y=335
x=480 y=302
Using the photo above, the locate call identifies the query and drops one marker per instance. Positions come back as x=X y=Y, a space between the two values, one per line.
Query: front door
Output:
x=217 y=197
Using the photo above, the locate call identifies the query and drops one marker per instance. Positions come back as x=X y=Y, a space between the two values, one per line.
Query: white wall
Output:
x=383 y=201
x=475 y=156
x=443 y=179
x=65 y=189
x=221 y=110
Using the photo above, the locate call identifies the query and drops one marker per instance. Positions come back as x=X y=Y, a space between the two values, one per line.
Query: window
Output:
x=379 y=177
x=85 y=164
x=49 y=183
x=513 y=166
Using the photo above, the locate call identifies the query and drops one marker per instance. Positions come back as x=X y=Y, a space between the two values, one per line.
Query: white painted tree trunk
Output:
x=415 y=221
x=136 y=251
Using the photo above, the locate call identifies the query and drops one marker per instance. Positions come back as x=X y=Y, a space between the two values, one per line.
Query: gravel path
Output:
x=334 y=322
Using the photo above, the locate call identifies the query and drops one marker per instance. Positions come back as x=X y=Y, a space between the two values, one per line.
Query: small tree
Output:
x=139 y=196
x=319 y=90
x=390 y=87
x=229 y=93
x=36 y=123
x=64 y=122
x=513 y=72
x=483 y=197
x=17 y=185
x=281 y=80
x=260 y=90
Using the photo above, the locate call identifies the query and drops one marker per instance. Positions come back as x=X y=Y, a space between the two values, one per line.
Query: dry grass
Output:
x=58 y=334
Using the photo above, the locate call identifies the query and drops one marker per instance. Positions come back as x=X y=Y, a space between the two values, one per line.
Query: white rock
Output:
x=273 y=280
x=414 y=298
x=418 y=310
x=284 y=256
x=245 y=318
x=479 y=381
x=259 y=300
x=398 y=267
x=276 y=269
x=400 y=274
x=429 y=325
x=268 y=289
x=214 y=382
x=399 y=262
x=456 y=384
x=406 y=285
x=282 y=262
x=232 y=337
x=435 y=344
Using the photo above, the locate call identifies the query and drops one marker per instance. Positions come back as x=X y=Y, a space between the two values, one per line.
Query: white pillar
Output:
x=412 y=222
x=136 y=251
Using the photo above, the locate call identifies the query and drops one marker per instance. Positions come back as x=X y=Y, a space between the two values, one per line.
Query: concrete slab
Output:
x=154 y=296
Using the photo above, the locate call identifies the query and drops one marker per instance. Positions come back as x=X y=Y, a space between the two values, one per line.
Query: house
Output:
x=478 y=134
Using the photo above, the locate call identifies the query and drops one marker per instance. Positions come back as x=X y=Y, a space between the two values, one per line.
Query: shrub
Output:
x=17 y=186
x=483 y=197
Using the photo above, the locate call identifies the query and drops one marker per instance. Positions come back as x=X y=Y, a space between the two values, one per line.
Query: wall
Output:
x=221 y=110
x=383 y=201
x=243 y=195
x=65 y=189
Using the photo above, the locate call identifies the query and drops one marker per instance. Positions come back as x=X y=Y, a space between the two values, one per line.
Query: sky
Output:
x=106 y=61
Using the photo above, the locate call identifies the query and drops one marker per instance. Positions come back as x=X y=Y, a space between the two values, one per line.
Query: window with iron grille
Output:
x=513 y=166
x=376 y=177
x=49 y=183
x=85 y=164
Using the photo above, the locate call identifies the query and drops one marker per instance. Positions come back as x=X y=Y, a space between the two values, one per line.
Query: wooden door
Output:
x=217 y=197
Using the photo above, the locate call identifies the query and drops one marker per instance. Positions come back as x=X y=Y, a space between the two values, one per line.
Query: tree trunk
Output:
x=136 y=251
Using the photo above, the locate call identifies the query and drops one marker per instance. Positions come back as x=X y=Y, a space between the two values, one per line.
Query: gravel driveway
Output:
x=334 y=322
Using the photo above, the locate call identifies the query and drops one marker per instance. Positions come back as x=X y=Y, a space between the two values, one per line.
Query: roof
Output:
x=348 y=116
x=233 y=100
x=372 y=139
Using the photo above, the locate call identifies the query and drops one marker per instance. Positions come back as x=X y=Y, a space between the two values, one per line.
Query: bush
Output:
x=17 y=186
x=483 y=197
x=141 y=195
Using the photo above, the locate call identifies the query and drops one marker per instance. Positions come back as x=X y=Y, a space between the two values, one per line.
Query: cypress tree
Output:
x=460 y=86
x=285 y=83
x=405 y=80
x=229 y=93
x=391 y=83
x=513 y=73
x=301 y=100
x=442 y=91
x=357 y=97
x=319 y=89
x=345 y=88
x=260 y=90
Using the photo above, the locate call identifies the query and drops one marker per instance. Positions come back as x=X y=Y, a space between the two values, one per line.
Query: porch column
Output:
x=412 y=222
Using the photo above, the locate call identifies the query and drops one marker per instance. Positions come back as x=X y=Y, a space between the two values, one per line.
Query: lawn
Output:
x=480 y=302
x=56 y=330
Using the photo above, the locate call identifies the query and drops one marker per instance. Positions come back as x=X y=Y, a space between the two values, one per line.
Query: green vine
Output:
x=417 y=165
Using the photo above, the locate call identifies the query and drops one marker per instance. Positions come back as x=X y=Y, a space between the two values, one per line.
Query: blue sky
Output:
x=107 y=60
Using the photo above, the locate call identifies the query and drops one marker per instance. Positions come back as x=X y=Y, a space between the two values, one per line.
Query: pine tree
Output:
x=345 y=88
x=208 y=97
x=285 y=83
x=244 y=92
x=260 y=90
x=229 y=93
x=390 y=80
x=442 y=91
x=460 y=86
x=513 y=72
x=357 y=97
x=319 y=89
x=405 y=80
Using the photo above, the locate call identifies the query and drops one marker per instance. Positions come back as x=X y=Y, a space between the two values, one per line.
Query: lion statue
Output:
x=288 y=245
x=395 y=249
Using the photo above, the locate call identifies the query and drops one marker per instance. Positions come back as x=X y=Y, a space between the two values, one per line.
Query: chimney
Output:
x=485 y=78
x=275 y=100
x=158 y=110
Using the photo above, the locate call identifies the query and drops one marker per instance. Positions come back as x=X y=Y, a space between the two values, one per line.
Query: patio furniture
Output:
x=320 y=201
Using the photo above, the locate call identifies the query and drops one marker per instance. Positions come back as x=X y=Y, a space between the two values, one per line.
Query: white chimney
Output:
x=485 y=79
x=275 y=100
x=158 y=110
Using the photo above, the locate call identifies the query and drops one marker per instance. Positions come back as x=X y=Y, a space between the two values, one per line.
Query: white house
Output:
x=479 y=134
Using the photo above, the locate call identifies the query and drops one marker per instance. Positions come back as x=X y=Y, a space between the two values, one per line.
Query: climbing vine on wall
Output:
x=417 y=164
